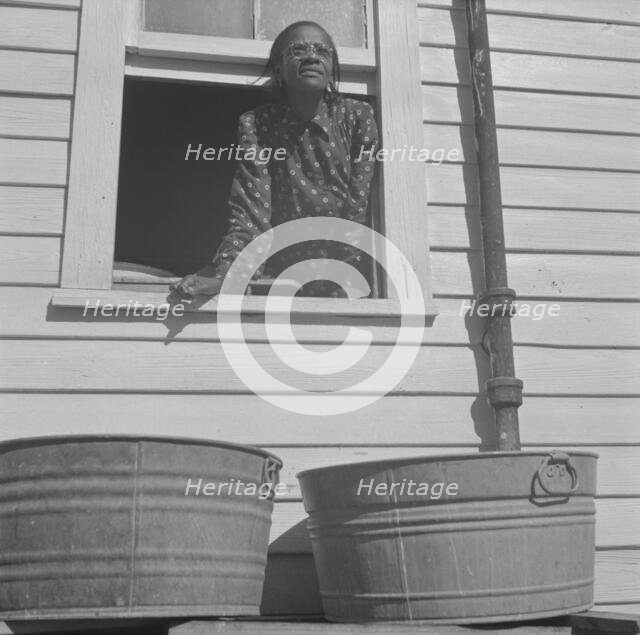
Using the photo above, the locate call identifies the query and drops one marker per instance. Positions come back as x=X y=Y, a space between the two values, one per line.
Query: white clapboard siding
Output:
x=192 y=367
x=29 y=260
x=427 y=420
x=38 y=28
x=33 y=161
x=453 y=184
x=34 y=117
x=625 y=609
x=616 y=466
x=31 y=210
x=443 y=27
x=599 y=10
x=586 y=324
x=589 y=39
x=454 y=104
x=185 y=366
x=542 y=275
x=538 y=229
x=617 y=575
x=607 y=11
x=36 y=73
x=536 y=147
x=535 y=72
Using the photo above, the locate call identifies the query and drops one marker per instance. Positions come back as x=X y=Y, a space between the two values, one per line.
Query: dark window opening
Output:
x=172 y=213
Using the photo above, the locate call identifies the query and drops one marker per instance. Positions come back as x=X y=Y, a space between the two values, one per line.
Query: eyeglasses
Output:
x=298 y=50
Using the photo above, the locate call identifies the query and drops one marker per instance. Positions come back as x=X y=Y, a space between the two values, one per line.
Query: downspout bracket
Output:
x=499 y=300
x=504 y=392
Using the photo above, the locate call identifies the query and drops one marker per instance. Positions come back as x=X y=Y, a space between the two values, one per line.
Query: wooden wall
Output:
x=568 y=141
x=567 y=80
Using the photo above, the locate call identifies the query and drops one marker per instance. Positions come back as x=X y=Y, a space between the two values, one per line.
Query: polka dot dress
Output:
x=327 y=171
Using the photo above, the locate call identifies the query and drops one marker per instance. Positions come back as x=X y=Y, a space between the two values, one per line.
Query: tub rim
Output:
x=57 y=439
x=386 y=463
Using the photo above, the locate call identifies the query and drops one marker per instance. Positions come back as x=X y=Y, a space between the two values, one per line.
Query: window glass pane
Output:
x=229 y=18
x=343 y=19
x=264 y=19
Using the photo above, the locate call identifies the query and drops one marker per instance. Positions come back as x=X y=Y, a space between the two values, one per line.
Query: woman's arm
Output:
x=250 y=198
x=250 y=203
x=364 y=143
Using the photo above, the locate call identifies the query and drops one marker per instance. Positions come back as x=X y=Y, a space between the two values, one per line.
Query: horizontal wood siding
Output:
x=568 y=133
x=537 y=148
x=29 y=260
x=566 y=79
x=543 y=275
x=535 y=72
x=540 y=230
x=189 y=366
x=38 y=41
x=614 y=11
x=36 y=73
x=33 y=117
x=450 y=421
x=455 y=184
x=38 y=29
x=521 y=109
x=526 y=34
x=31 y=210
x=33 y=161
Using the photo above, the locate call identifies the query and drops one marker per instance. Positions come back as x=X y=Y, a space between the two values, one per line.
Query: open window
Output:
x=172 y=209
x=144 y=52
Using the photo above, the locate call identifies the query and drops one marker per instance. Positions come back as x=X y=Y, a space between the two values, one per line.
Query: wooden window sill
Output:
x=252 y=305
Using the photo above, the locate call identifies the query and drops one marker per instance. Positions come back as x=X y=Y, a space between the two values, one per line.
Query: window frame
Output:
x=113 y=46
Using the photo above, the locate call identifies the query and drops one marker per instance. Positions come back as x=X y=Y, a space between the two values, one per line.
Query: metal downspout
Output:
x=503 y=389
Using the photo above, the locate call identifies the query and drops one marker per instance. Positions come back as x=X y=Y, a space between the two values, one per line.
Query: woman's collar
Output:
x=320 y=119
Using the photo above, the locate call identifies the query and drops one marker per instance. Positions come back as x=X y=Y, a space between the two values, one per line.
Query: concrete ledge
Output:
x=587 y=623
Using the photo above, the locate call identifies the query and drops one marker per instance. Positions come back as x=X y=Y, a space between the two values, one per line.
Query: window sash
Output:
x=225 y=60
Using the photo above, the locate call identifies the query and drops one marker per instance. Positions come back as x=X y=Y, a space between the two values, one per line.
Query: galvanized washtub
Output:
x=513 y=541
x=95 y=527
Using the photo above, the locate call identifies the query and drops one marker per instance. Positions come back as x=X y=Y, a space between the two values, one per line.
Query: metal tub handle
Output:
x=271 y=474
x=551 y=474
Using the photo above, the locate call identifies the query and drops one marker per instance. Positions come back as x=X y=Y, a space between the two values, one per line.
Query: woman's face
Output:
x=307 y=62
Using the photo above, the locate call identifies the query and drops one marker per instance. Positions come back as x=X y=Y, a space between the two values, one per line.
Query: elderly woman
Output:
x=323 y=173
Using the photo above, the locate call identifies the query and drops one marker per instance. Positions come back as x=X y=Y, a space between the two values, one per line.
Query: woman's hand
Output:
x=203 y=282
